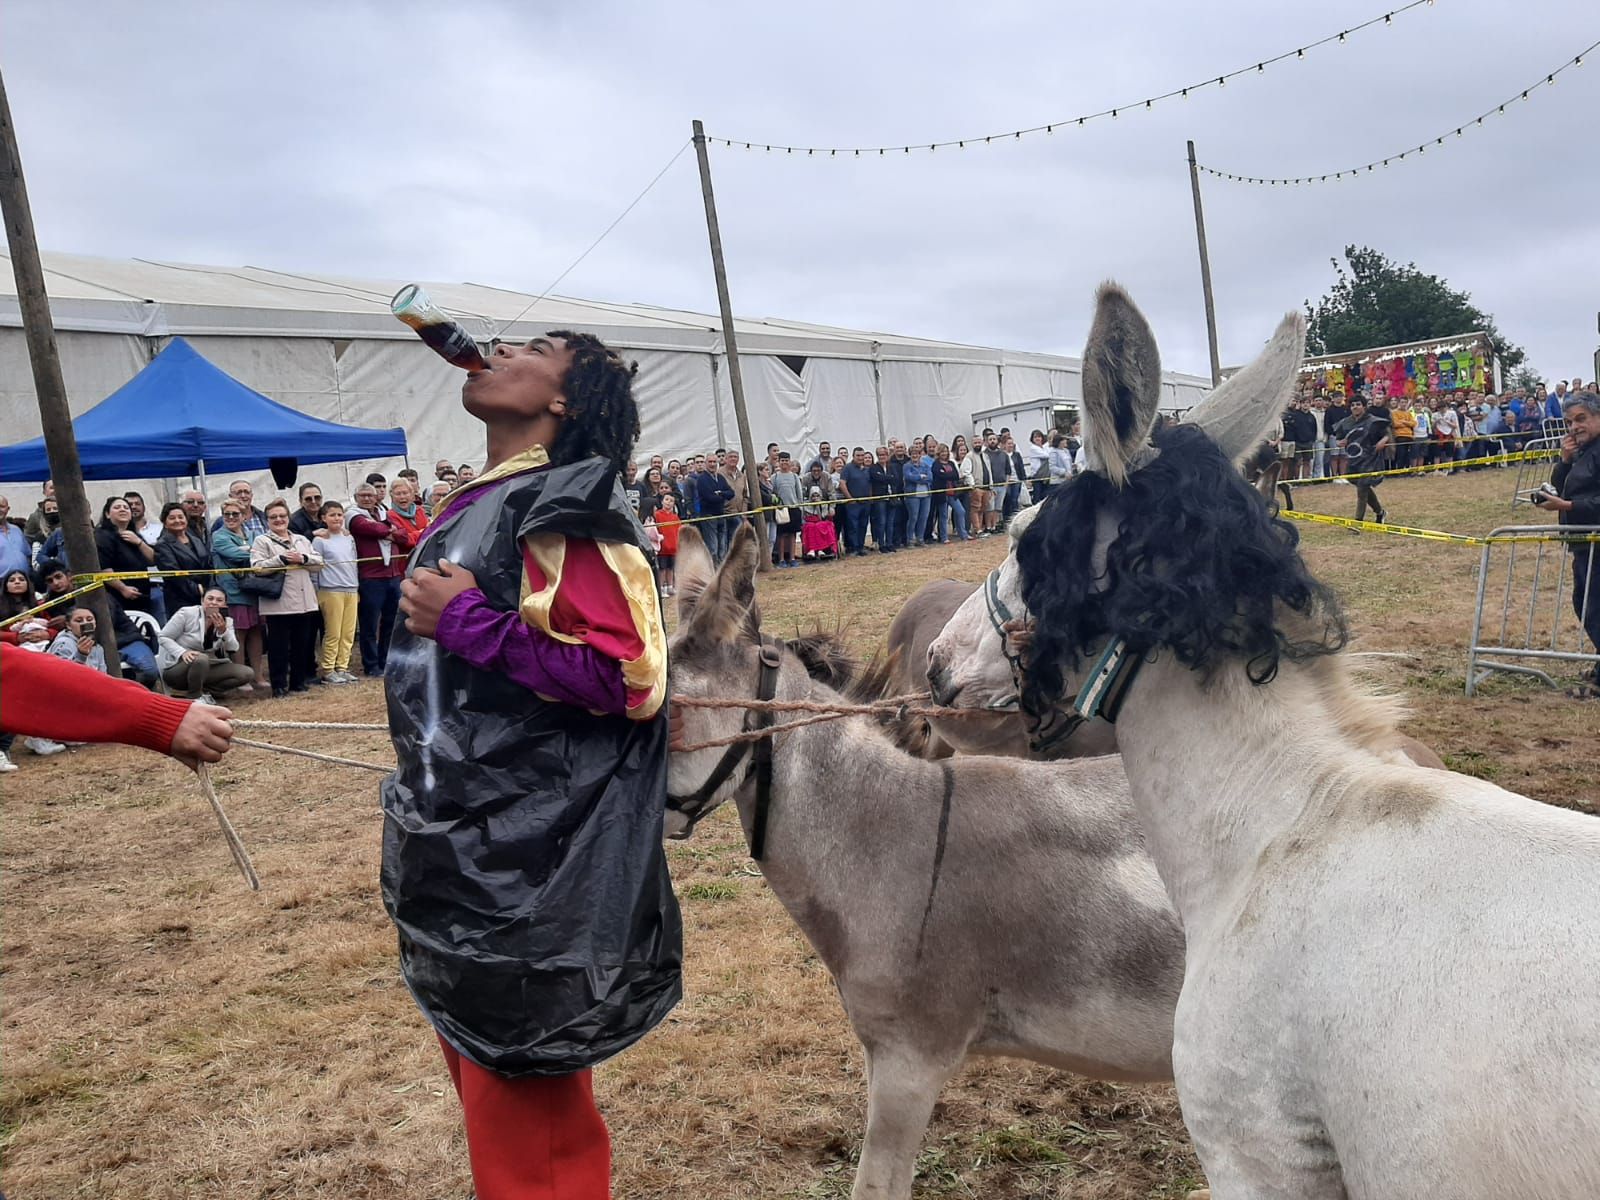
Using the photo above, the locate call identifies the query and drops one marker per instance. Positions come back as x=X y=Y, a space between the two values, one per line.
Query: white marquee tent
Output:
x=328 y=346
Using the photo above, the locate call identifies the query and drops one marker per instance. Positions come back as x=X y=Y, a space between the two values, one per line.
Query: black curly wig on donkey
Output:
x=1199 y=566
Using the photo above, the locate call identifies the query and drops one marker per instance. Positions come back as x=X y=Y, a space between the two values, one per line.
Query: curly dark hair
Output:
x=601 y=419
x=1200 y=566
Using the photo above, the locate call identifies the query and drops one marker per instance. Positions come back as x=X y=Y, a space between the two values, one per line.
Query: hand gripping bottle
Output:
x=447 y=339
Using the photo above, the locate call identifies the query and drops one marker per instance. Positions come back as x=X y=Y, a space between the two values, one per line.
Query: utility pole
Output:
x=1205 y=270
x=731 y=343
x=48 y=385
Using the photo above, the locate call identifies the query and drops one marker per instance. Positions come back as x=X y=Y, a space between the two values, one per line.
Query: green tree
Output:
x=1527 y=378
x=1378 y=302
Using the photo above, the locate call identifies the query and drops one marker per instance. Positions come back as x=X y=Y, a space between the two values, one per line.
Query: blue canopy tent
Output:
x=183 y=416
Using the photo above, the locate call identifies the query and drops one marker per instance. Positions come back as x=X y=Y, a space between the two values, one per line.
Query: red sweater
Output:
x=48 y=697
x=369 y=533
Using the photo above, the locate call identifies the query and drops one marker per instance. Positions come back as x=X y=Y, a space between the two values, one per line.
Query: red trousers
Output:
x=534 y=1138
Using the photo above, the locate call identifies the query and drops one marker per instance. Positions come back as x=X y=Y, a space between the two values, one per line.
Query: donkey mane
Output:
x=829 y=661
x=1199 y=566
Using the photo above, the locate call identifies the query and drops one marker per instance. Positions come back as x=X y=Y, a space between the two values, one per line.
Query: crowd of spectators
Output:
x=1434 y=429
x=291 y=596
x=254 y=601
x=850 y=501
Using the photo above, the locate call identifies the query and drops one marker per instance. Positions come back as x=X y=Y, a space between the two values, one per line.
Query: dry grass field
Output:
x=167 y=1033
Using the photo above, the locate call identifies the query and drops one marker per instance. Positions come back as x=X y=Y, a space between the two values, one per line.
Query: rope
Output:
x=896 y=706
x=327 y=758
x=230 y=835
x=238 y=724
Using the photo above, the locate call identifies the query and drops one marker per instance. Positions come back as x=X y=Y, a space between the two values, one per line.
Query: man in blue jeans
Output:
x=382 y=548
x=714 y=492
x=855 y=481
x=882 y=487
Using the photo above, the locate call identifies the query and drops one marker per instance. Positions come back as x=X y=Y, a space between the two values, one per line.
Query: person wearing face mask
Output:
x=196 y=643
x=45 y=518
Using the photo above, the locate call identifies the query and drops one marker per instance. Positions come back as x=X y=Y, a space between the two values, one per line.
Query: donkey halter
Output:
x=999 y=614
x=1102 y=693
x=699 y=802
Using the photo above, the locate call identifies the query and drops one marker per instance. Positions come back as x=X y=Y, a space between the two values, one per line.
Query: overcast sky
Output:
x=492 y=142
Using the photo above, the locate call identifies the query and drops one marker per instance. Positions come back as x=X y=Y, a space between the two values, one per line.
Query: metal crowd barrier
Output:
x=1536 y=620
x=1531 y=472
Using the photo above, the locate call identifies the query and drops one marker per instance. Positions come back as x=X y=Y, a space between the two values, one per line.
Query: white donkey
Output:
x=973 y=663
x=1392 y=973
x=971 y=906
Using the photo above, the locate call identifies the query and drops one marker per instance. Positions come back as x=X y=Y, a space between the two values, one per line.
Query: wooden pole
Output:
x=60 y=443
x=1205 y=270
x=731 y=344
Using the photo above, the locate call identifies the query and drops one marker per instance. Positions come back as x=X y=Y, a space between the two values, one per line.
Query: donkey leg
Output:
x=902 y=1087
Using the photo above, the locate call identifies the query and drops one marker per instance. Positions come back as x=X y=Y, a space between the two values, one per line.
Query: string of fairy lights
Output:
x=1460 y=130
x=1011 y=135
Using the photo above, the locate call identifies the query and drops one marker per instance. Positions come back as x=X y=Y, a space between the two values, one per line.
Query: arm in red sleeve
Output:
x=45 y=696
x=362 y=525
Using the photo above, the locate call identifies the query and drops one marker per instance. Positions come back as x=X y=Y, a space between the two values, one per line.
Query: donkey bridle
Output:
x=1102 y=693
x=759 y=750
x=999 y=615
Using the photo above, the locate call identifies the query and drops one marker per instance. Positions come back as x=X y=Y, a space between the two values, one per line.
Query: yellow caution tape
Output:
x=1436 y=535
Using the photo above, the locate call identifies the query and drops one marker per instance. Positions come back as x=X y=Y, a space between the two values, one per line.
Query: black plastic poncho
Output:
x=522 y=853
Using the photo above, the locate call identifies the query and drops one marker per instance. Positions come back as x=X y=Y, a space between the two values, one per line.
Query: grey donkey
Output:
x=970 y=906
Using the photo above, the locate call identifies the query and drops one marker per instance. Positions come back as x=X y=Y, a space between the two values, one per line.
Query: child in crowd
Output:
x=667 y=524
x=337 y=588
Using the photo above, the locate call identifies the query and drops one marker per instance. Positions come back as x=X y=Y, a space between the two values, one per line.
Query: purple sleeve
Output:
x=493 y=640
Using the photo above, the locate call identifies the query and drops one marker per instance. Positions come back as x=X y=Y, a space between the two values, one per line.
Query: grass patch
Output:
x=718 y=890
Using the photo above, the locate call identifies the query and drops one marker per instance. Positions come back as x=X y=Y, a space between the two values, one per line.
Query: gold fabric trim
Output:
x=524 y=460
x=549 y=553
x=648 y=672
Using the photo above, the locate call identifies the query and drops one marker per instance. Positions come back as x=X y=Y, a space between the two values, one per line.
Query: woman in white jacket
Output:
x=964 y=464
x=195 y=644
x=291 y=615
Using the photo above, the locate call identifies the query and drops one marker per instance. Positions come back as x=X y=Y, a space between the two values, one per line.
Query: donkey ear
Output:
x=1246 y=407
x=694 y=570
x=726 y=606
x=1121 y=383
